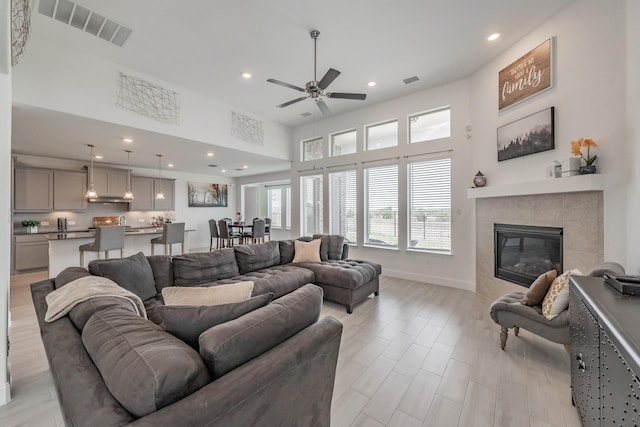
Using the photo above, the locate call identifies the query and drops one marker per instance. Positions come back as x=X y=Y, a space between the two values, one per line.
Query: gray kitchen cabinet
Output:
x=31 y=252
x=110 y=182
x=33 y=190
x=69 y=190
x=144 y=193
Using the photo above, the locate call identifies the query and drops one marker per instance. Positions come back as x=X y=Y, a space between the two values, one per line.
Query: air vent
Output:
x=84 y=19
x=239 y=169
x=213 y=166
x=305 y=114
x=411 y=80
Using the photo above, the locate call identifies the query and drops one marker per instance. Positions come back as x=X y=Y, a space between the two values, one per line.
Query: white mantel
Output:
x=571 y=184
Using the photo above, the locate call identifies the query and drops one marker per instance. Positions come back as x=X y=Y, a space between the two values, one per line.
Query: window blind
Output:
x=311 y=204
x=275 y=207
x=343 y=198
x=381 y=206
x=430 y=205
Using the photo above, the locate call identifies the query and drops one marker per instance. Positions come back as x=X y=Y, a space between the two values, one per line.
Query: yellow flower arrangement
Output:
x=576 y=149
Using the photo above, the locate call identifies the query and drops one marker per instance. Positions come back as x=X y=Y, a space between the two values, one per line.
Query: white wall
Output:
x=589 y=96
x=55 y=77
x=5 y=192
x=633 y=139
x=453 y=270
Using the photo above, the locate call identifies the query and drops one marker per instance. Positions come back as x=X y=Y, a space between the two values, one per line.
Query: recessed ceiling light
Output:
x=170 y=165
x=494 y=36
x=371 y=83
x=223 y=170
x=246 y=75
x=244 y=166
x=210 y=154
x=127 y=140
x=98 y=156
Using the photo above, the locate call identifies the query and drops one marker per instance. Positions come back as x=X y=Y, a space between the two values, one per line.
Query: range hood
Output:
x=109 y=199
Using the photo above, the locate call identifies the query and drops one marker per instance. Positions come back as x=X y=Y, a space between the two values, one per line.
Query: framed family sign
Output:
x=527 y=76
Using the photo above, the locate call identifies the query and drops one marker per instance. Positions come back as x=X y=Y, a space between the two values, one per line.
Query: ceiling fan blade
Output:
x=322 y=106
x=293 y=101
x=358 y=96
x=278 y=82
x=328 y=78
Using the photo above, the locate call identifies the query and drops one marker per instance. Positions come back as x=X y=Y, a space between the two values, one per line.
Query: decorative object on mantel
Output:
x=479 y=180
x=31 y=225
x=576 y=150
x=554 y=170
x=570 y=166
x=525 y=77
x=528 y=135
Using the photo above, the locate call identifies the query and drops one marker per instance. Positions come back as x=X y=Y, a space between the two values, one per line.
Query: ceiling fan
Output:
x=316 y=89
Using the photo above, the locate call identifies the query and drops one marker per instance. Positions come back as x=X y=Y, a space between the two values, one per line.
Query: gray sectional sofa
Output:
x=262 y=364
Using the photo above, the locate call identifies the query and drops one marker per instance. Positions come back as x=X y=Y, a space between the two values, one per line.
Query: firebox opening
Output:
x=524 y=252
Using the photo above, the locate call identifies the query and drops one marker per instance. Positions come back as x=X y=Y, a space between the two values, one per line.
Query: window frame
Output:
x=285 y=201
x=372 y=125
x=425 y=113
x=320 y=201
x=366 y=219
x=308 y=141
x=330 y=181
x=331 y=142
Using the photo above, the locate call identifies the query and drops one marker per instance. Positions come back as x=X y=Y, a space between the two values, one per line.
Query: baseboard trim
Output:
x=443 y=281
x=5 y=394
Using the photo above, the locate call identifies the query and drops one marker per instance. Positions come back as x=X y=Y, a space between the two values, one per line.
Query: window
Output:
x=343 y=205
x=312 y=149
x=382 y=135
x=430 y=125
x=343 y=143
x=430 y=205
x=274 y=206
x=381 y=228
x=287 y=195
x=311 y=204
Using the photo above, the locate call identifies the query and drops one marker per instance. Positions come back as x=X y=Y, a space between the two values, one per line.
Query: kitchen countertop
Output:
x=91 y=234
x=21 y=232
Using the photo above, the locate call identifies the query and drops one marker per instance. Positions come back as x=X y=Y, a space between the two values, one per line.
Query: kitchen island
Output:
x=64 y=252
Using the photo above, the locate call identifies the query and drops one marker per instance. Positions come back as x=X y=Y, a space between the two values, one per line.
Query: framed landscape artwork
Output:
x=531 y=134
x=203 y=195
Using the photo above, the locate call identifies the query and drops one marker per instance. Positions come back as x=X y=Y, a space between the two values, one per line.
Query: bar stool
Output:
x=171 y=233
x=213 y=230
x=106 y=239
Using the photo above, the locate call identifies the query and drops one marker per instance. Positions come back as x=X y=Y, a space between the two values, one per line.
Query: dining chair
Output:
x=213 y=231
x=171 y=233
x=257 y=231
x=106 y=239
x=267 y=227
x=226 y=236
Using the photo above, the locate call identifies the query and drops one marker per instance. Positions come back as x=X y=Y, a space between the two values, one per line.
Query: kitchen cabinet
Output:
x=33 y=190
x=110 y=182
x=69 y=190
x=144 y=193
x=31 y=252
x=605 y=353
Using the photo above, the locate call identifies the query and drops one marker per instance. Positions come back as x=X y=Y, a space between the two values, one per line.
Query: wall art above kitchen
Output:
x=527 y=76
x=205 y=195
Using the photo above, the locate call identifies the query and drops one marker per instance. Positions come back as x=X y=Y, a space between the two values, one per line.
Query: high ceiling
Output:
x=205 y=45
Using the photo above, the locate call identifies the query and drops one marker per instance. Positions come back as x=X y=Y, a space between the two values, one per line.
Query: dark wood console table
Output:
x=605 y=353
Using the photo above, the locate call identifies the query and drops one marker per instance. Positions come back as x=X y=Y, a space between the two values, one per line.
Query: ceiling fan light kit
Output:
x=315 y=89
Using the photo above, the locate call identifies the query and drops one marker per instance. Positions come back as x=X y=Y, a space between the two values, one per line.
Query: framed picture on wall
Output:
x=528 y=135
x=203 y=195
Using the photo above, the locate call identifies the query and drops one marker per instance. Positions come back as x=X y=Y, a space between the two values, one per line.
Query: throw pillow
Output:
x=539 y=288
x=307 y=251
x=187 y=323
x=557 y=299
x=211 y=295
x=144 y=367
x=228 y=345
x=132 y=273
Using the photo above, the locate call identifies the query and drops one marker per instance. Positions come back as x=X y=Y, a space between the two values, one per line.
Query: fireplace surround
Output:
x=523 y=252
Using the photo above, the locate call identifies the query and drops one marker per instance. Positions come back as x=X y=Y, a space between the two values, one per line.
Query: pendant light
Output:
x=160 y=194
x=91 y=192
x=128 y=195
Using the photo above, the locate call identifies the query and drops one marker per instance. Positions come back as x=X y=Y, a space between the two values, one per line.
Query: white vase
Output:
x=33 y=229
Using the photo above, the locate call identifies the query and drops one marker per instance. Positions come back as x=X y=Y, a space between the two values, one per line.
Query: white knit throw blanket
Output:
x=62 y=300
